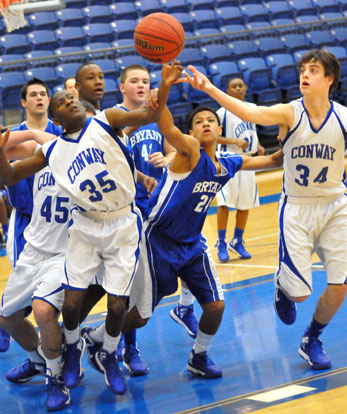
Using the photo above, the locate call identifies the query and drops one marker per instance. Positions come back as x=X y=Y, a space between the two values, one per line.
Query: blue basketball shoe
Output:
x=201 y=364
x=5 y=340
x=92 y=347
x=133 y=361
x=72 y=360
x=185 y=316
x=120 y=348
x=236 y=246
x=222 y=251
x=58 y=395
x=284 y=307
x=114 y=377
x=24 y=372
x=311 y=349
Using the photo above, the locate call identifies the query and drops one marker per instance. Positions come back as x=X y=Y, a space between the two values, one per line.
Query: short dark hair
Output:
x=88 y=107
x=71 y=77
x=80 y=68
x=33 y=81
x=124 y=73
x=328 y=60
x=196 y=111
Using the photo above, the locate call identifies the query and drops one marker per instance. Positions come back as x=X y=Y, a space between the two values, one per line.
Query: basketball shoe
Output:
x=92 y=347
x=201 y=364
x=5 y=340
x=284 y=307
x=311 y=349
x=237 y=246
x=25 y=371
x=114 y=377
x=133 y=362
x=58 y=395
x=185 y=316
x=222 y=251
x=72 y=359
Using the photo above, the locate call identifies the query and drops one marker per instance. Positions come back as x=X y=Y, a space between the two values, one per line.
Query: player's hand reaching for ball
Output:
x=170 y=73
x=198 y=80
x=4 y=138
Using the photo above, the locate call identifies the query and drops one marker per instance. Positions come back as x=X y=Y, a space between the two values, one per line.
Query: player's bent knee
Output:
x=44 y=313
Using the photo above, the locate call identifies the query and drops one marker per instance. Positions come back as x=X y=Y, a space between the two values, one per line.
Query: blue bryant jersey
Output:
x=178 y=207
x=47 y=230
x=94 y=167
x=234 y=127
x=314 y=159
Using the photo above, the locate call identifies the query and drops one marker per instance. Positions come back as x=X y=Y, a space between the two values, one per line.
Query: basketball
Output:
x=159 y=37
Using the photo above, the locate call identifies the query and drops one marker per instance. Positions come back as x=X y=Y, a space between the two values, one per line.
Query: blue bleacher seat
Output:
x=320 y=38
x=324 y=6
x=175 y=6
x=147 y=7
x=190 y=56
x=279 y=9
x=99 y=32
x=286 y=22
x=229 y=3
x=46 y=20
x=339 y=34
x=155 y=78
x=284 y=70
x=269 y=45
x=46 y=74
x=330 y=15
x=42 y=40
x=302 y=7
x=128 y=60
x=68 y=49
x=185 y=19
x=112 y=95
x=66 y=70
x=194 y=95
x=298 y=54
x=230 y=15
x=14 y=43
x=71 y=17
x=124 y=29
x=91 y=47
x=254 y=13
x=97 y=14
x=124 y=46
x=42 y=55
x=222 y=72
x=15 y=66
x=208 y=31
x=308 y=18
x=58 y=88
x=70 y=4
x=257 y=25
x=201 y=5
x=3 y=29
x=204 y=19
x=97 y=2
x=292 y=93
x=10 y=86
x=243 y=48
x=215 y=52
x=70 y=36
x=109 y=67
x=269 y=96
x=295 y=41
x=236 y=30
x=123 y=10
x=256 y=73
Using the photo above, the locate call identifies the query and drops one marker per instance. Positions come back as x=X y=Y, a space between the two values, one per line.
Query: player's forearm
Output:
x=7 y=171
x=228 y=141
x=262 y=162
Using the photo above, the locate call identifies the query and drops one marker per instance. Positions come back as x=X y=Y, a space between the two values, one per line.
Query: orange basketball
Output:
x=159 y=37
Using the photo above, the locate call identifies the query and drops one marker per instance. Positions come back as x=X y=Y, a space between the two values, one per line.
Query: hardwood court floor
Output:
x=262 y=371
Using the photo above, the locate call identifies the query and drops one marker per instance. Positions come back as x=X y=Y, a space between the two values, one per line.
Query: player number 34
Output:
x=305 y=172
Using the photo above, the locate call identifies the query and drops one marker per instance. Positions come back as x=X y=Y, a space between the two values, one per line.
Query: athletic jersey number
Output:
x=146 y=153
x=305 y=172
x=62 y=212
x=106 y=186
x=250 y=142
x=203 y=204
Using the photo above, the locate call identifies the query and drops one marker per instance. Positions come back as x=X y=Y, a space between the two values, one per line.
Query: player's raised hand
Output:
x=170 y=73
x=198 y=80
x=152 y=99
x=4 y=138
x=158 y=160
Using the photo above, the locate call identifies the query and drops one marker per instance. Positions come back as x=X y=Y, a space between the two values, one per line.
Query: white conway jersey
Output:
x=94 y=168
x=314 y=159
x=47 y=230
x=234 y=127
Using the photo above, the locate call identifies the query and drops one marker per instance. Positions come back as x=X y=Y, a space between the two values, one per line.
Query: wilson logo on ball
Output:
x=144 y=44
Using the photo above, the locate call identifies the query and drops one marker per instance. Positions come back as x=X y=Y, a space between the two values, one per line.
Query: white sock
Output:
x=73 y=336
x=98 y=333
x=186 y=297
x=110 y=342
x=202 y=342
x=54 y=366
x=35 y=357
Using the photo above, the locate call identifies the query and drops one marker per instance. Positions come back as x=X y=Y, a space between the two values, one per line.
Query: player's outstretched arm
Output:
x=262 y=115
x=12 y=173
x=262 y=161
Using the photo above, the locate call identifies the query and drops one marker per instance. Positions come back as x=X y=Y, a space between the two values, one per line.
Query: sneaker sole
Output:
x=24 y=380
x=312 y=365
x=60 y=407
x=235 y=251
x=196 y=371
x=179 y=321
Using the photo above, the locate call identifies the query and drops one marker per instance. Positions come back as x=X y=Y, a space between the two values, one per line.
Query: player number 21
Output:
x=305 y=172
x=106 y=186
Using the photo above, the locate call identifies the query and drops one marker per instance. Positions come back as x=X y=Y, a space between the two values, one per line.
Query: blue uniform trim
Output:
x=290 y=133
x=283 y=252
x=50 y=149
x=342 y=128
x=78 y=139
x=47 y=301
x=325 y=120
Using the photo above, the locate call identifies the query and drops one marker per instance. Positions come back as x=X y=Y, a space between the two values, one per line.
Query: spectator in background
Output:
x=69 y=85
